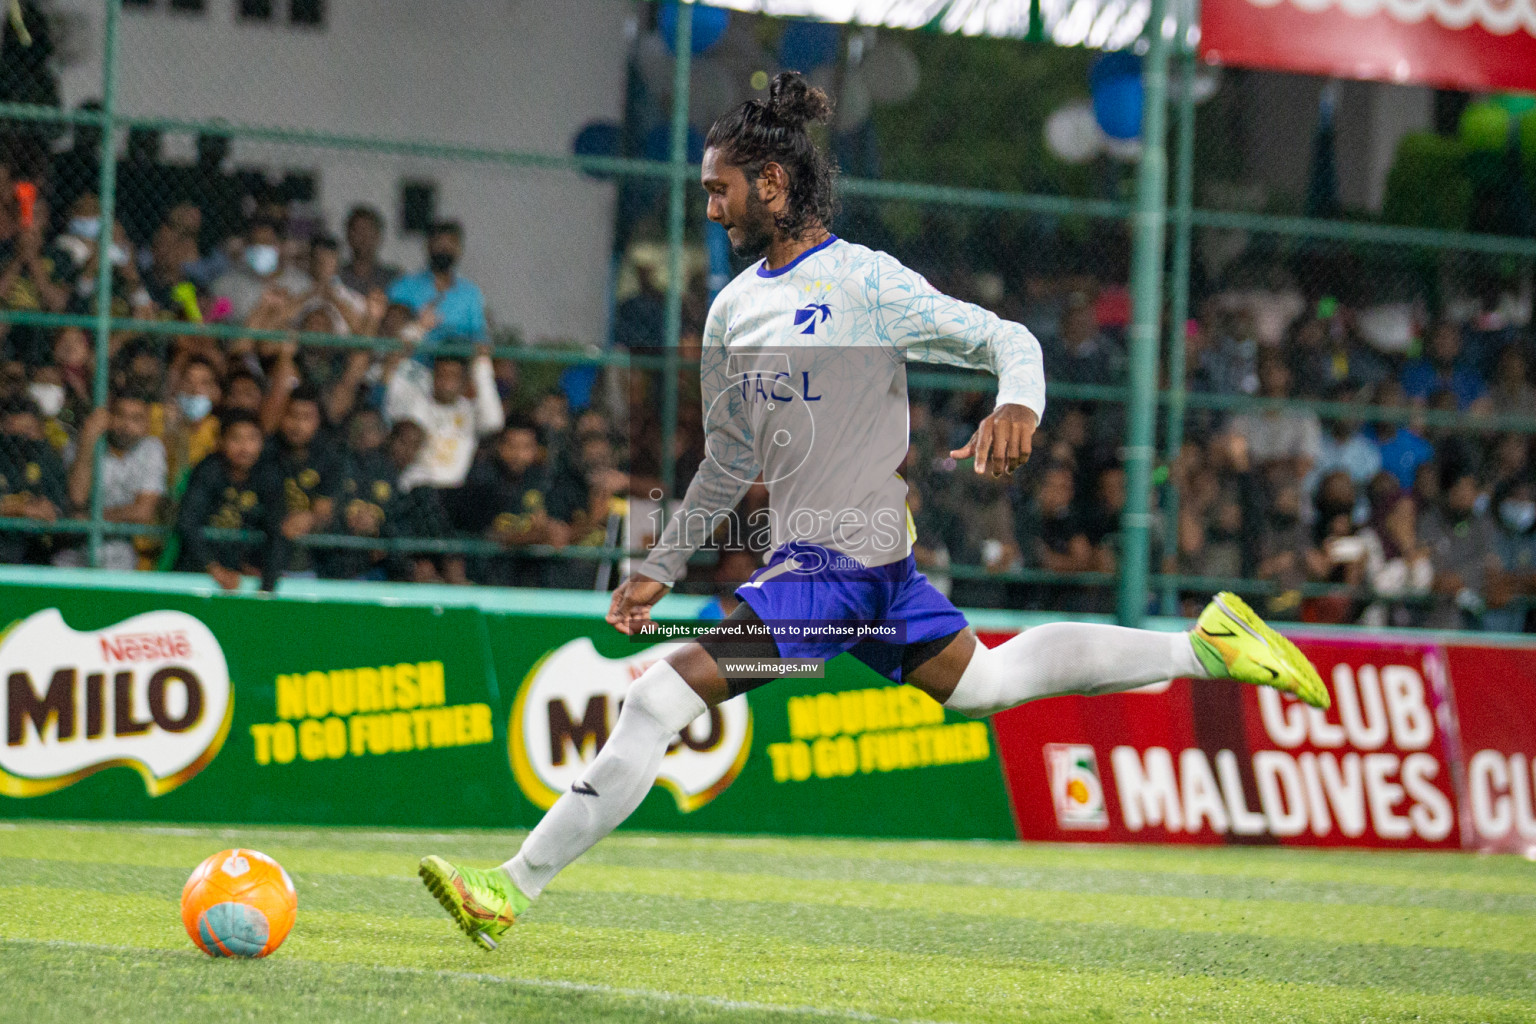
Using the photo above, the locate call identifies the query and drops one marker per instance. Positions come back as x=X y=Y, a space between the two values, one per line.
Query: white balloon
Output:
x=1073 y=134
x=1128 y=150
x=891 y=72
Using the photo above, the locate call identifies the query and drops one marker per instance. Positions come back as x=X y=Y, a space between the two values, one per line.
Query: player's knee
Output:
x=979 y=692
x=663 y=694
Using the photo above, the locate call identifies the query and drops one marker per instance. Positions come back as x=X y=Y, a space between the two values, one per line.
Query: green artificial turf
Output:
x=685 y=928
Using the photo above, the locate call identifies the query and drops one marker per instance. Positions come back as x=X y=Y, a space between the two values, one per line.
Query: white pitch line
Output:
x=547 y=984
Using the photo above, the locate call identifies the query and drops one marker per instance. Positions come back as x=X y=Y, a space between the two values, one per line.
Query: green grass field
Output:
x=749 y=929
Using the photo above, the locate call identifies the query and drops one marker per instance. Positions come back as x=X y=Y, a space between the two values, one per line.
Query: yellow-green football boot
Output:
x=484 y=903
x=1234 y=643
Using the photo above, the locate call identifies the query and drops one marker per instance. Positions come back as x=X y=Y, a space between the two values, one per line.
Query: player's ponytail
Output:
x=794 y=103
x=758 y=133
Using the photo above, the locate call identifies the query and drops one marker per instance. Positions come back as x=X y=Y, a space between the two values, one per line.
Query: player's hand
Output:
x=1003 y=441
x=632 y=602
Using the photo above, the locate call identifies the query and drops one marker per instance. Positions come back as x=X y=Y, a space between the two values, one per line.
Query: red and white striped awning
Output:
x=1459 y=44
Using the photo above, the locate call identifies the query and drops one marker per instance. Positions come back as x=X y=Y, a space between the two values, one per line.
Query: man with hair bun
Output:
x=803 y=376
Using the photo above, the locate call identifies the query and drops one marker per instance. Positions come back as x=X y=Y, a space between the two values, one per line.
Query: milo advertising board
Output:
x=847 y=754
x=244 y=708
x=162 y=706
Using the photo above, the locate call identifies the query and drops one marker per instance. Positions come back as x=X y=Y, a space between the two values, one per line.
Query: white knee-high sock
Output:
x=1070 y=657
x=658 y=706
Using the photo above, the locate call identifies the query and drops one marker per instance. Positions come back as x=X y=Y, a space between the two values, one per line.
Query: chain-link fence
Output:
x=367 y=313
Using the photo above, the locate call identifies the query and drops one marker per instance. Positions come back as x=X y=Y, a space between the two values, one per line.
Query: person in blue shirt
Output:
x=1442 y=368
x=1402 y=450
x=453 y=304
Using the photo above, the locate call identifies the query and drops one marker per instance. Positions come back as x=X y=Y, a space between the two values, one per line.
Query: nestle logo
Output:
x=145 y=646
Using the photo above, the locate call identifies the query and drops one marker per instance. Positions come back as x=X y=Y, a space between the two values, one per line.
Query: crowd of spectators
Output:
x=270 y=441
x=1413 y=524
x=435 y=440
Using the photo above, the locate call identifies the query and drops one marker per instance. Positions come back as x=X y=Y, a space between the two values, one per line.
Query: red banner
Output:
x=1391 y=764
x=1472 y=45
x=1496 y=708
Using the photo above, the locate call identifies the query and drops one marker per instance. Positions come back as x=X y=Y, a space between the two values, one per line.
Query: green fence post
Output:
x=103 y=265
x=1146 y=305
x=1178 y=285
x=677 y=219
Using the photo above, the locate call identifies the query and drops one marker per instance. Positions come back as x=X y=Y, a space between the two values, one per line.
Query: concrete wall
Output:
x=524 y=74
x=1280 y=116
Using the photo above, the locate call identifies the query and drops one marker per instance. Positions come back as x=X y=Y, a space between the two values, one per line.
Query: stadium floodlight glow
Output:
x=1101 y=24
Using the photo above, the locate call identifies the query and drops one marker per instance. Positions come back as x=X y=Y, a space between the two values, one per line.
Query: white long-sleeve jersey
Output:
x=803 y=372
x=453 y=429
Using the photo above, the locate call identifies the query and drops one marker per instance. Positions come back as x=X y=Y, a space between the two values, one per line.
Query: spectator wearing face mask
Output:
x=74 y=258
x=132 y=479
x=1515 y=507
x=456 y=300
x=78 y=168
x=194 y=431
x=261 y=270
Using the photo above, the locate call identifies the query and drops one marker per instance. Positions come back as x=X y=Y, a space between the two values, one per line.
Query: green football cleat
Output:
x=1234 y=643
x=483 y=903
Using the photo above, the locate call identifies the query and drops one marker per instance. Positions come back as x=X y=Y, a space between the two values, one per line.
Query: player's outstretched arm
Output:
x=924 y=325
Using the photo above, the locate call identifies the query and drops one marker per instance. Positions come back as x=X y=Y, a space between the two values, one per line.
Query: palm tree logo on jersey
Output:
x=807 y=315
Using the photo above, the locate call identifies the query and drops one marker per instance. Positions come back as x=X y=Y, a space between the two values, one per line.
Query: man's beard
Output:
x=756 y=229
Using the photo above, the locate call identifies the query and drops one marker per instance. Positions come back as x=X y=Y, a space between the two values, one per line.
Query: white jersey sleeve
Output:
x=927 y=326
x=729 y=466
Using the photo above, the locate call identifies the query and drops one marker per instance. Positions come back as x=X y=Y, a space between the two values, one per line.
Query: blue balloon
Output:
x=577 y=383
x=597 y=138
x=808 y=44
x=709 y=24
x=1115 y=64
x=658 y=144
x=1117 y=106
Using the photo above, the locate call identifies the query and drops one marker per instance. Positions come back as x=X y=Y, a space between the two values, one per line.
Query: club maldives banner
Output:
x=1427 y=745
x=1471 y=45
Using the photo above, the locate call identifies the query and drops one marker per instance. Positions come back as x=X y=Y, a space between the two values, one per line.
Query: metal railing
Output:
x=1149 y=215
